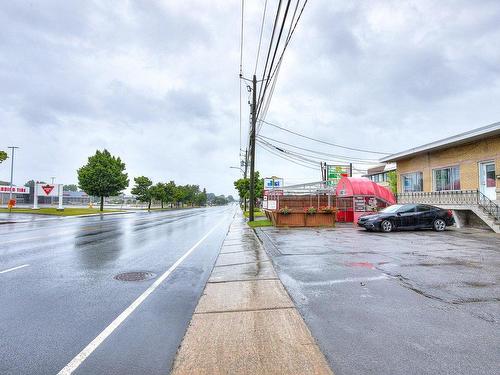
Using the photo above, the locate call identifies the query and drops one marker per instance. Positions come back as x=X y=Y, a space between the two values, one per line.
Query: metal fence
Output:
x=457 y=197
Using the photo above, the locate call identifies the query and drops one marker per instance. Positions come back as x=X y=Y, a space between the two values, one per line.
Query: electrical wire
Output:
x=260 y=37
x=285 y=158
x=278 y=65
x=270 y=47
x=340 y=157
x=260 y=99
x=324 y=142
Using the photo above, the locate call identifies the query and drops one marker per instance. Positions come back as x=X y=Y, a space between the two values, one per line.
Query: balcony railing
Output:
x=456 y=197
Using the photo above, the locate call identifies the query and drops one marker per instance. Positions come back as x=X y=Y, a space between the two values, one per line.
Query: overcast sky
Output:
x=156 y=83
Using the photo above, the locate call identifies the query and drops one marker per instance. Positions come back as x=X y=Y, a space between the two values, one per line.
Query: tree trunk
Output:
x=149 y=205
x=102 y=204
x=162 y=205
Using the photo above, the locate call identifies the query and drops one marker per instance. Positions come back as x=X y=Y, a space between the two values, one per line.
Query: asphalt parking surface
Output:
x=415 y=302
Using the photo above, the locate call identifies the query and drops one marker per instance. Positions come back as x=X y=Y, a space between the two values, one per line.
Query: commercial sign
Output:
x=335 y=172
x=273 y=192
x=15 y=189
x=274 y=182
x=47 y=190
x=359 y=204
x=271 y=205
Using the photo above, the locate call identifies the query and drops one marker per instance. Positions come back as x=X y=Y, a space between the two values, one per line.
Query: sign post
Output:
x=48 y=190
x=60 y=206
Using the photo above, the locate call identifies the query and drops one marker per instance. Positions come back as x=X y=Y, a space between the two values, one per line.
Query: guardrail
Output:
x=456 y=197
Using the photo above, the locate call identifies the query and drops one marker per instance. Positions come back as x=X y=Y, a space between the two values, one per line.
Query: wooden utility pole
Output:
x=252 y=148
x=245 y=177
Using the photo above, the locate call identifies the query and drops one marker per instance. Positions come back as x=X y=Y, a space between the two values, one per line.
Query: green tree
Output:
x=142 y=190
x=170 y=190
x=3 y=156
x=70 y=187
x=243 y=187
x=220 y=200
x=103 y=176
x=201 y=198
x=392 y=178
x=158 y=193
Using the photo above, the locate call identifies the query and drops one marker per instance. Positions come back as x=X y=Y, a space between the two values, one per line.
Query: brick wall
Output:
x=466 y=156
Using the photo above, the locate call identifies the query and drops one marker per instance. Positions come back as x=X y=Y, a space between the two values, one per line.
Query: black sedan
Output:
x=407 y=216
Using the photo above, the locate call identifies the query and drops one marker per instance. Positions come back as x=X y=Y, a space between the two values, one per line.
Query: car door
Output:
x=424 y=216
x=407 y=216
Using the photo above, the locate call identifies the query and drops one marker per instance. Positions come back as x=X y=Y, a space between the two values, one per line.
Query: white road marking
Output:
x=14 y=268
x=83 y=355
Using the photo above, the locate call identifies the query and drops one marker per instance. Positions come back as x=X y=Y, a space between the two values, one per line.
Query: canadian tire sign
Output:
x=47 y=190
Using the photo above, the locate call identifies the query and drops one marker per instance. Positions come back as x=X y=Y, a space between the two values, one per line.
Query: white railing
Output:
x=455 y=197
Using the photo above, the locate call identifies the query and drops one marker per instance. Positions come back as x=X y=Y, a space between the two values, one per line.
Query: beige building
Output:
x=457 y=171
x=467 y=161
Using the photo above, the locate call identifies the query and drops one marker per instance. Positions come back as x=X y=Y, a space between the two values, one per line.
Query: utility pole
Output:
x=11 y=168
x=350 y=169
x=245 y=177
x=252 y=148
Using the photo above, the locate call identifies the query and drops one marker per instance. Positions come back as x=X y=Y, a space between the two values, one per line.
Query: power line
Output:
x=278 y=65
x=324 y=142
x=270 y=47
x=261 y=98
x=260 y=37
x=284 y=157
x=241 y=64
x=289 y=153
x=340 y=157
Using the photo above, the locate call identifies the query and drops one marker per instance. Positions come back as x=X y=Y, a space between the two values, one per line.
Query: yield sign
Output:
x=47 y=188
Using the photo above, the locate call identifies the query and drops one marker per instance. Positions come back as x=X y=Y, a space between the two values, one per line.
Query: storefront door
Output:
x=487 y=179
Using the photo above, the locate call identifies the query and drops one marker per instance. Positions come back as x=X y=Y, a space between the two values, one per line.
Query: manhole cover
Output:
x=135 y=276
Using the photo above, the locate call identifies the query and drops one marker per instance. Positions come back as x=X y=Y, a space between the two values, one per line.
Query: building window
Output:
x=446 y=179
x=412 y=182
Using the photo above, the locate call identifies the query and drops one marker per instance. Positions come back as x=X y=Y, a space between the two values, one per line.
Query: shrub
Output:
x=285 y=211
x=310 y=210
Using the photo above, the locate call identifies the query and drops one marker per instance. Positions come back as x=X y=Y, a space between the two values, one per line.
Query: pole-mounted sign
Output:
x=48 y=190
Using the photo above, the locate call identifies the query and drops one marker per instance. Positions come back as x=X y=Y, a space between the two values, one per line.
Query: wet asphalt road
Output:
x=66 y=295
x=398 y=303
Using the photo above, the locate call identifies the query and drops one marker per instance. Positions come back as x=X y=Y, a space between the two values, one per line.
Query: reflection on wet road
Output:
x=397 y=303
x=53 y=308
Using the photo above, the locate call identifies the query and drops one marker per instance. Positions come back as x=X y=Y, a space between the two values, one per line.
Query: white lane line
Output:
x=82 y=356
x=14 y=268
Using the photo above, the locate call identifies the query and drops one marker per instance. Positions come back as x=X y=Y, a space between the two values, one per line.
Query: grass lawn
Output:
x=256 y=213
x=260 y=223
x=54 y=211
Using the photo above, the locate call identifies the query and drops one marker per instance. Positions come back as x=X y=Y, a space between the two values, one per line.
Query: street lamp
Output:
x=241 y=170
x=11 y=168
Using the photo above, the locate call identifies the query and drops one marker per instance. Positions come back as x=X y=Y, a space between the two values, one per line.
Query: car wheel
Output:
x=386 y=226
x=439 y=225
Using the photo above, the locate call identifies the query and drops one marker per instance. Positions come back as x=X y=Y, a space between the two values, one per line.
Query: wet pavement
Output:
x=399 y=303
x=245 y=322
x=58 y=290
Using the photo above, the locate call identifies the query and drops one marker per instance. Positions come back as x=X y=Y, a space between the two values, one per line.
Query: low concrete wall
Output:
x=467 y=218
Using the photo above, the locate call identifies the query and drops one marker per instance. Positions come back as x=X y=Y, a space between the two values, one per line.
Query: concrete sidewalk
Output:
x=245 y=322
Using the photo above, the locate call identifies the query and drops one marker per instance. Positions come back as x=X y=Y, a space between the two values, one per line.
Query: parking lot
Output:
x=416 y=302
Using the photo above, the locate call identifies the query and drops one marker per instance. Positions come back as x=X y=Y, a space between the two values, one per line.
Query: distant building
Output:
x=75 y=198
x=380 y=173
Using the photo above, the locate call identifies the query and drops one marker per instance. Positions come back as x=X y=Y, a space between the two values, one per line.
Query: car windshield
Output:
x=392 y=208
